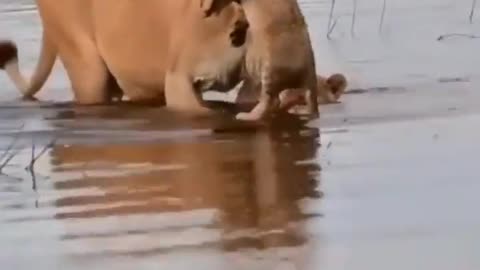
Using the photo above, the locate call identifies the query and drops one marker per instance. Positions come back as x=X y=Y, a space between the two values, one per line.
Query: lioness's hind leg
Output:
x=89 y=76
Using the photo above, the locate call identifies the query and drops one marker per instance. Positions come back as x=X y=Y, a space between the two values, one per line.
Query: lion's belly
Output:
x=134 y=59
x=132 y=39
x=136 y=77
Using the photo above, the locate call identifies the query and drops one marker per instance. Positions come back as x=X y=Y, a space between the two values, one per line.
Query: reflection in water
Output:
x=229 y=191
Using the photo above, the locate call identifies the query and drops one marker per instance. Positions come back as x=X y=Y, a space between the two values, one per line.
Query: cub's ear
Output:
x=207 y=6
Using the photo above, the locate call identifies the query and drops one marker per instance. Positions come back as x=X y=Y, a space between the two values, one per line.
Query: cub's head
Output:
x=336 y=84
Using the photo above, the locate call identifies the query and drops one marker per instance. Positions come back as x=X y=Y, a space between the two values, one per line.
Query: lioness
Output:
x=150 y=49
x=279 y=55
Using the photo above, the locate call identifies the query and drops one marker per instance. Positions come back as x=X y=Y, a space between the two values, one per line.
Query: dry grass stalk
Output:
x=7 y=155
x=472 y=10
x=330 y=19
x=382 y=16
x=354 y=18
x=35 y=157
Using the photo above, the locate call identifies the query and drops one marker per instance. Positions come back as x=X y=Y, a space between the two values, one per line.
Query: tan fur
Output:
x=329 y=91
x=279 y=55
x=148 y=48
x=9 y=62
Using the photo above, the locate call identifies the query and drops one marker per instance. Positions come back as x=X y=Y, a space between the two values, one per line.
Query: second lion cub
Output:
x=279 y=55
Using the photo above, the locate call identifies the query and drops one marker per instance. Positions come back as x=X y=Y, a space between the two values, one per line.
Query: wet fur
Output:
x=279 y=55
x=102 y=64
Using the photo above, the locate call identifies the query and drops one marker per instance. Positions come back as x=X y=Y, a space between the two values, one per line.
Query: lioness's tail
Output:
x=9 y=62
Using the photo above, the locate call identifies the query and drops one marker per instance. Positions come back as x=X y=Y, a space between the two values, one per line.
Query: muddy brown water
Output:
x=388 y=179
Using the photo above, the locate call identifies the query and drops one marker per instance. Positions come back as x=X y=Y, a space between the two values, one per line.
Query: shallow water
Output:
x=385 y=180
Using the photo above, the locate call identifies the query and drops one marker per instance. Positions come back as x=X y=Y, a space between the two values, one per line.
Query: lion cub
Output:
x=279 y=55
x=329 y=91
x=331 y=88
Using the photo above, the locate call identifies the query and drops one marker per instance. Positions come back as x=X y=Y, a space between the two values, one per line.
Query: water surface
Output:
x=388 y=179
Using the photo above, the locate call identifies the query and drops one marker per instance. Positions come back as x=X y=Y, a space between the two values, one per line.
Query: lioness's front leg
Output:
x=268 y=94
x=89 y=77
x=264 y=106
x=181 y=96
x=312 y=103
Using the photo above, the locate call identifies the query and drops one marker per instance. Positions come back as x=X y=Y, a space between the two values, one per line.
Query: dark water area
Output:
x=386 y=179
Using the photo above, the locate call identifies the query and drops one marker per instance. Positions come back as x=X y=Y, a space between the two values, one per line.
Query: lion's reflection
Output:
x=252 y=180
